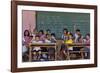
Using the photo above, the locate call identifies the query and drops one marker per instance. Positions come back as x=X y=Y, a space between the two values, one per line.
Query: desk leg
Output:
x=82 y=53
x=30 y=54
x=68 y=55
x=55 y=54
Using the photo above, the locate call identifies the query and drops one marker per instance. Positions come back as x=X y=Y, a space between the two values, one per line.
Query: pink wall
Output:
x=29 y=20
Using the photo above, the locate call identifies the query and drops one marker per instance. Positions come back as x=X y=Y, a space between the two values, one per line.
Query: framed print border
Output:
x=14 y=37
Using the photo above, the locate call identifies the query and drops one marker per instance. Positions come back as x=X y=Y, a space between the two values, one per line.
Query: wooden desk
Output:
x=77 y=45
x=40 y=45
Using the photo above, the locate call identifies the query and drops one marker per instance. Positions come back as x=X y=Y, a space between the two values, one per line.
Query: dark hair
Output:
x=80 y=36
x=27 y=34
x=77 y=30
x=41 y=31
x=53 y=34
x=71 y=34
x=88 y=34
x=48 y=30
x=65 y=29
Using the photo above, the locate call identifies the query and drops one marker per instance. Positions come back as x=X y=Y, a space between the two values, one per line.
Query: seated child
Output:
x=69 y=41
x=79 y=40
x=63 y=50
x=47 y=38
x=87 y=48
x=44 y=49
x=37 y=50
x=53 y=38
x=51 y=51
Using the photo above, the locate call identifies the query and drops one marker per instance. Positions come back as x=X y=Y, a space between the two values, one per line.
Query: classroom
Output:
x=55 y=36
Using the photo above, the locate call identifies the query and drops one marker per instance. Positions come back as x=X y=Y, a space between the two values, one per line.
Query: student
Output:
x=26 y=40
x=69 y=41
x=80 y=39
x=44 y=49
x=51 y=51
x=64 y=35
x=42 y=35
x=76 y=35
x=53 y=38
x=62 y=52
x=87 y=48
x=48 y=38
x=77 y=39
x=37 y=50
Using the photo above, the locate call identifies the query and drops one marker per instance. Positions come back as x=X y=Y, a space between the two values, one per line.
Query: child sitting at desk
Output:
x=50 y=38
x=37 y=50
x=47 y=38
x=69 y=41
x=53 y=38
x=87 y=48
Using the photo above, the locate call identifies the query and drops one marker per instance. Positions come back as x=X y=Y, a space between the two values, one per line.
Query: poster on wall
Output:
x=51 y=36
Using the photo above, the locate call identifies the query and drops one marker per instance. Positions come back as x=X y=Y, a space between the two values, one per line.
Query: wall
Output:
x=57 y=21
x=5 y=41
x=28 y=20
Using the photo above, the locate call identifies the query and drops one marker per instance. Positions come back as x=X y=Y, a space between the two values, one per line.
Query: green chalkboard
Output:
x=56 y=21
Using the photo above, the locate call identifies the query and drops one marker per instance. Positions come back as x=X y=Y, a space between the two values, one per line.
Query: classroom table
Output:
x=48 y=45
x=81 y=45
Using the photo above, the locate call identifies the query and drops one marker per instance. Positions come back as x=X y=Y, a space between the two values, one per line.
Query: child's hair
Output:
x=77 y=30
x=65 y=29
x=26 y=34
x=88 y=34
x=41 y=31
x=53 y=34
x=71 y=34
x=80 y=36
x=47 y=35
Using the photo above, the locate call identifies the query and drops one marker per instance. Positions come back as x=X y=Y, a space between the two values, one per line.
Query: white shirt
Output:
x=37 y=42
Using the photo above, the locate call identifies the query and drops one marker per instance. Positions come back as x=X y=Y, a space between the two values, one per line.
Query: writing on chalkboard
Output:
x=57 y=21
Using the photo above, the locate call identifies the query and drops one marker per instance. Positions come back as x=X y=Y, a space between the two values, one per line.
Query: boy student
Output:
x=77 y=35
x=37 y=50
x=53 y=38
x=42 y=35
x=50 y=38
x=64 y=35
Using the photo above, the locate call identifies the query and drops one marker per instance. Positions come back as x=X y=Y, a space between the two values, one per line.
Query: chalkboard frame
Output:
x=14 y=37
